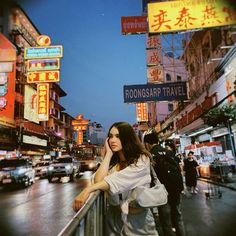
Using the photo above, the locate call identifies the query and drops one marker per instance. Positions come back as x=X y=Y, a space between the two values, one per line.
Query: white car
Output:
x=63 y=166
x=16 y=171
x=41 y=169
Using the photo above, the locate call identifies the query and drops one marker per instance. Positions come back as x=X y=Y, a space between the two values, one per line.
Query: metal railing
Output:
x=89 y=220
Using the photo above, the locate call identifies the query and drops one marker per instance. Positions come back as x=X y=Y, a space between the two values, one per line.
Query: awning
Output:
x=7 y=50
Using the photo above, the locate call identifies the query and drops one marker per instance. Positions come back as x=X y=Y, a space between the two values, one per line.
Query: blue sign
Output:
x=155 y=92
x=43 y=52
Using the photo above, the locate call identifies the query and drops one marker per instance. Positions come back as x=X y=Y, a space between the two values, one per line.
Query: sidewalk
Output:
x=231 y=183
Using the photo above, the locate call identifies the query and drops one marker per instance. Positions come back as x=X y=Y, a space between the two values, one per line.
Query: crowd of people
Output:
x=125 y=166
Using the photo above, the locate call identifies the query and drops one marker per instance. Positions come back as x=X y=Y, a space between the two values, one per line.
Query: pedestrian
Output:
x=191 y=172
x=126 y=165
x=169 y=173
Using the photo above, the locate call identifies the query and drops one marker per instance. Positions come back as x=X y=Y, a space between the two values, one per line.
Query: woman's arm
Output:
x=104 y=167
x=83 y=196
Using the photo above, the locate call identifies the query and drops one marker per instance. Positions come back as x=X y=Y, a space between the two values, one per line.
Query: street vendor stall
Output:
x=214 y=164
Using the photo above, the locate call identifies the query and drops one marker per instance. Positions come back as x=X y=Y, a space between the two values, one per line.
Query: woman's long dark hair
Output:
x=132 y=147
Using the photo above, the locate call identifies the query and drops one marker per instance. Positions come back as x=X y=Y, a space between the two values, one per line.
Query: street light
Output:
x=231 y=136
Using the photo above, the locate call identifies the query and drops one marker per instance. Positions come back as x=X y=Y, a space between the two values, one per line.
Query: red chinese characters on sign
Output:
x=210 y=16
x=43 y=76
x=134 y=24
x=153 y=41
x=184 y=19
x=43 y=101
x=154 y=57
x=160 y=19
x=155 y=74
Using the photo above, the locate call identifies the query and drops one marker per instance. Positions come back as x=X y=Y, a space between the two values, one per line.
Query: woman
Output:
x=125 y=166
x=190 y=169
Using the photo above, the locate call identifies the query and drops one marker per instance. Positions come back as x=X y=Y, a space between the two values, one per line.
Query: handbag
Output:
x=150 y=196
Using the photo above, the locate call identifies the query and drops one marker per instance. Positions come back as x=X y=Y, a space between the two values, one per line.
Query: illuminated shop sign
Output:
x=80 y=127
x=3 y=102
x=34 y=140
x=80 y=137
x=141 y=112
x=43 y=76
x=134 y=24
x=155 y=92
x=30 y=107
x=6 y=66
x=43 y=52
x=185 y=15
x=43 y=64
x=43 y=101
x=80 y=122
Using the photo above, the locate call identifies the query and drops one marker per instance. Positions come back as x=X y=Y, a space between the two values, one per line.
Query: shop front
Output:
x=214 y=162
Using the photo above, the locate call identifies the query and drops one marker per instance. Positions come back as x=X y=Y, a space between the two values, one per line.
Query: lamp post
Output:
x=231 y=137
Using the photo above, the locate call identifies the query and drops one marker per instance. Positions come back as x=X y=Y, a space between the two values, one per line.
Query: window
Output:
x=170 y=107
x=179 y=78
x=168 y=77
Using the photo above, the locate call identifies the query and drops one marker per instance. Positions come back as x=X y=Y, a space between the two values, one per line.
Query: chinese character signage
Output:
x=154 y=57
x=185 y=15
x=134 y=24
x=155 y=92
x=30 y=107
x=43 y=52
x=155 y=74
x=43 y=101
x=141 y=112
x=43 y=76
x=80 y=124
x=153 y=41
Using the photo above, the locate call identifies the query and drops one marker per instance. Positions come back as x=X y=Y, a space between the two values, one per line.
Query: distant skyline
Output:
x=98 y=60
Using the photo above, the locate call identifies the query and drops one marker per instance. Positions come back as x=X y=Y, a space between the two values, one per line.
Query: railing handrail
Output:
x=72 y=225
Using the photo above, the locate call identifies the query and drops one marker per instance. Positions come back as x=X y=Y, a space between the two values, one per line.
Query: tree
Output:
x=220 y=115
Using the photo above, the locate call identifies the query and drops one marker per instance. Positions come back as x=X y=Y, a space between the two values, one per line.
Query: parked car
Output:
x=63 y=166
x=41 y=169
x=16 y=171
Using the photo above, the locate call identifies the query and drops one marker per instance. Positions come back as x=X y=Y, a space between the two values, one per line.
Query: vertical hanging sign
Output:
x=43 y=101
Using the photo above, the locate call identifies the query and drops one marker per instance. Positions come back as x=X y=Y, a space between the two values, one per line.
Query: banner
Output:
x=43 y=101
x=134 y=24
x=43 y=76
x=30 y=107
x=186 y=14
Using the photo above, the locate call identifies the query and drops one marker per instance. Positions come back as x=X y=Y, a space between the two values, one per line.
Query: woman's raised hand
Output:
x=107 y=148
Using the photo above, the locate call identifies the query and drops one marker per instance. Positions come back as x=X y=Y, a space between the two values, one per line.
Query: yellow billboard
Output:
x=186 y=15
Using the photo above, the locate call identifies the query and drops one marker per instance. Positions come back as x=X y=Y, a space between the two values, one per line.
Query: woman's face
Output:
x=114 y=140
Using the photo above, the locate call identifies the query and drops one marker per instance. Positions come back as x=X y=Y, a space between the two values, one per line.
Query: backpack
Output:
x=168 y=172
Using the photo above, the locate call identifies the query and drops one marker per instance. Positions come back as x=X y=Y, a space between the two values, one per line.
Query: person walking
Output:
x=190 y=172
x=126 y=165
x=169 y=173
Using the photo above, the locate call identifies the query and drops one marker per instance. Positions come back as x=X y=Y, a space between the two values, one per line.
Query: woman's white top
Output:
x=121 y=182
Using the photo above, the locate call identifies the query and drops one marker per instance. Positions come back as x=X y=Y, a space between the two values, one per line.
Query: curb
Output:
x=218 y=183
